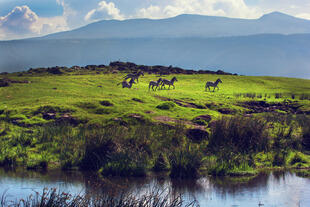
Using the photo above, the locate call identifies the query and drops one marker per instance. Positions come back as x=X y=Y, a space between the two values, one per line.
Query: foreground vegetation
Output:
x=80 y=118
x=51 y=197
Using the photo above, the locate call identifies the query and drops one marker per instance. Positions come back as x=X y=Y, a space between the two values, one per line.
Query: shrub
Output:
x=161 y=163
x=297 y=159
x=166 y=105
x=185 y=163
x=239 y=134
x=124 y=164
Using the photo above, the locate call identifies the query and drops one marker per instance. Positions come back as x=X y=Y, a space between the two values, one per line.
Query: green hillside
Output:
x=42 y=114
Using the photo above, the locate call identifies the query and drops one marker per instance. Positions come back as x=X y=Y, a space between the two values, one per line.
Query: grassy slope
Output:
x=81 y=93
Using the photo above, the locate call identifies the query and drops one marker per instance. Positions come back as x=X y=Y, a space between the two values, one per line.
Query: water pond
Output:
x=268 y=189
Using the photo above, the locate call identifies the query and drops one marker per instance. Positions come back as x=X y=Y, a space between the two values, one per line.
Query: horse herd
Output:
x=160 y=83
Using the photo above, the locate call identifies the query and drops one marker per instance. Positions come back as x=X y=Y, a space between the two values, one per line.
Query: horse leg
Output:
x=173 y=86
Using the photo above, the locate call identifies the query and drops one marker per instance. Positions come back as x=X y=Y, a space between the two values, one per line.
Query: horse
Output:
x=155 y=83
x=125 y=84
x=168 y=82
x=213 y=84
x=134 y=76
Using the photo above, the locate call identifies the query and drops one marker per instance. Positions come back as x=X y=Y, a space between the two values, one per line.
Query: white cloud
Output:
x=304 y=15
x=229 y=8
x=22 y=22
x=104 y=11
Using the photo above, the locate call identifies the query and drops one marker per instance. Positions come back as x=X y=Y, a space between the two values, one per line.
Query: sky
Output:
x=30 y=18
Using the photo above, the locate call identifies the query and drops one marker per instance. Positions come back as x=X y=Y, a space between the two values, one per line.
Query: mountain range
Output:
x=274 y=44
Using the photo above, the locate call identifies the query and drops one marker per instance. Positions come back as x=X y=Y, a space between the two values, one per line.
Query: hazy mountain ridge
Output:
x=269 y=54
x=182 y=41
x=188 y=25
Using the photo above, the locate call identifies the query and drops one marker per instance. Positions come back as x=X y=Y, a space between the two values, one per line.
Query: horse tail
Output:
x=119 y=83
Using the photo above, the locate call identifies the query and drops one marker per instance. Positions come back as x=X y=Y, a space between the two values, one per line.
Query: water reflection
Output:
x=276 y=188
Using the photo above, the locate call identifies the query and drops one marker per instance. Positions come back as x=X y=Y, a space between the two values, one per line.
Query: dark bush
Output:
x=106 y=103
x=197 y=135
x=185 y=163
x=124 y=164
x=161 y=163
x=239 y=134
x=166 y=105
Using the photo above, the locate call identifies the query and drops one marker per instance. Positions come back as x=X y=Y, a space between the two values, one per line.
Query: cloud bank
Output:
x=104 y=11
x=22 y=22
x=229 y=8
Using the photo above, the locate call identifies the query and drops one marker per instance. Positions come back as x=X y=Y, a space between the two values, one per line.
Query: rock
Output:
x=4 y=83
x=54 y=70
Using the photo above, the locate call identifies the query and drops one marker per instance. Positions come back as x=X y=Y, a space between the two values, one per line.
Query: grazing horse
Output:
x=127 y=85
x=168 y=82
x=134 y=76
x=213 y=84
x=155 y=83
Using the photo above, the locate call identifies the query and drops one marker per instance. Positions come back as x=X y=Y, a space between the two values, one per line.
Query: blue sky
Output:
x=27 y=18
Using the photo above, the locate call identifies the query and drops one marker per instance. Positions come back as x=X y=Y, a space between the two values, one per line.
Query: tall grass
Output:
x=50 y=198
x=239 y=134
x=186 y=162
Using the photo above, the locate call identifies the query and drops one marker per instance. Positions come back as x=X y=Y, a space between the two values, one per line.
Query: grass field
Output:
x=27 y=111
x=81 y=94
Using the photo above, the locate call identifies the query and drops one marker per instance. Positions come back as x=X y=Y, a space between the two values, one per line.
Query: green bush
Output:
x=161 y=163
x=124 y=164
x=166 y=105
x=185 y=163
x=239 y=134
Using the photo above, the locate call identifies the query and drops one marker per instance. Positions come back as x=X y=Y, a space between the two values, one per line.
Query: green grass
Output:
x=68 y=120
x=82 y=96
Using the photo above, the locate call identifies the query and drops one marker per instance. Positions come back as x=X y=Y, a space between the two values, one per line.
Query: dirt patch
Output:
x=206 y=118
x=137 y=100
x=262 y=106
x=137 y=117
x=226 y=111
x=181 y=102
x=165 y=119
x=106 y=103
x=63 y=119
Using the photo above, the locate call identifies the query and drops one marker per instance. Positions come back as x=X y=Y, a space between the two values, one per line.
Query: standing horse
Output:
x=155 y=83
x=134 y=76
x=168 y=82
x=213 y=84
x=127 y=85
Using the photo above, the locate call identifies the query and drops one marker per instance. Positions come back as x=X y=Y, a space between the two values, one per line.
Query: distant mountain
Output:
x=268 y=54
x=275 y=44
x=188 y=26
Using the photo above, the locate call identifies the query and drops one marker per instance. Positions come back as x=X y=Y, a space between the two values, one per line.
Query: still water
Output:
x=273 y=189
